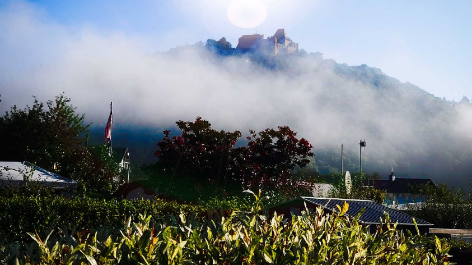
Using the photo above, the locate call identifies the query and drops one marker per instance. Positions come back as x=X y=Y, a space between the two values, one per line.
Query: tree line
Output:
x=53 y=136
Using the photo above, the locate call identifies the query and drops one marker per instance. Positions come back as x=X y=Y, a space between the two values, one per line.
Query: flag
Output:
x=109 y=127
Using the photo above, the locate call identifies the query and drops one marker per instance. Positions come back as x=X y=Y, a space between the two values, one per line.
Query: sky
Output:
x=426 y=43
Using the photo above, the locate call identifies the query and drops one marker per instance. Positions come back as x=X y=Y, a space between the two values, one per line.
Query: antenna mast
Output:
x=362 y=143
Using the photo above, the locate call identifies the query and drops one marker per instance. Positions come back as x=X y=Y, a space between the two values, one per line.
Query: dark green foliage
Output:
x=49 y=135
x=242 y=238
x=374 y=176
x=211 y=156
x=21 y=214
x=185 y=186
x=200 y=149
x=358 y=191
x=447 y=208
x=43 y=135
x=461 y=252
x=93 y=168
x=273 y=155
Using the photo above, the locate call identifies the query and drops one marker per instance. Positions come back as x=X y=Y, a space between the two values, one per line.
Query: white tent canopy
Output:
x=18 y=173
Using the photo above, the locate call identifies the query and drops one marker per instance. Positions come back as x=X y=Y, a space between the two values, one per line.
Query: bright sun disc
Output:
x=247 y=13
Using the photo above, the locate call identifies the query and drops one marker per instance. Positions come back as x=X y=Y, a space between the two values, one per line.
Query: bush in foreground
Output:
x=243 y=238
x=21 y=214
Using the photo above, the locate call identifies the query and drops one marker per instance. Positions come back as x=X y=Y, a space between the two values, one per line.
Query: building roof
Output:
x=281 y=35
x=249 y=41
x=372 y=214
x=13 y=173
x=398 y=185
x=465 y=100
x=124 y=189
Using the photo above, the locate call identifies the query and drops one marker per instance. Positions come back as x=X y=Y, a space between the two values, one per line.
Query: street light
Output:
x=362 y=143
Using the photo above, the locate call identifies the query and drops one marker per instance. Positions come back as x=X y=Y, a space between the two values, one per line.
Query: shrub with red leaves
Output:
x=266 y=161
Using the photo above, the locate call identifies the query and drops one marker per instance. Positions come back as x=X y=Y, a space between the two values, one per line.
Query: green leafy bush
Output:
x=242 y=238
x=21 y=214
x=447 y=208
x=358 y=191
x=461 y=252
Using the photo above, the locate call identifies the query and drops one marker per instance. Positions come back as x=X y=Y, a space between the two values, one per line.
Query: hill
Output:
x=327 y=102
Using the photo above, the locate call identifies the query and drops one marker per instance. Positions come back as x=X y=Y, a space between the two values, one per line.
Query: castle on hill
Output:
x=280 y=43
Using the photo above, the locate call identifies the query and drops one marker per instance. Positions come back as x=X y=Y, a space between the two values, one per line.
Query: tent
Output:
x=20 y=173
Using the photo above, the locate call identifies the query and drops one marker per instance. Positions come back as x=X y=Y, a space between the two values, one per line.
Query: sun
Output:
x=247 y=13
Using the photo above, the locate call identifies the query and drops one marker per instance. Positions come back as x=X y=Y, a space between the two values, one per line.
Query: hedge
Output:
x=242 y=238
x=21 y=214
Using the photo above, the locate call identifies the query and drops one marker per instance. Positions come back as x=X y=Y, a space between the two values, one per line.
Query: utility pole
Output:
x=362 y=143
x=342 y=159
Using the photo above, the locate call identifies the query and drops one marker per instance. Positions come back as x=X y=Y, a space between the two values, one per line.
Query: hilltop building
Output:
x=465 y=101
x=279 y=43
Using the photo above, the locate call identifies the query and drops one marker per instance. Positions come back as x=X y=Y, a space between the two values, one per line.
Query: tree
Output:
x=93 y=168
x=358 y=189
x=373 y=176
x=267 y=160
x=42 y=135
x=272 y=155
x=199 y=149
x=222 y=46
x=49 y=136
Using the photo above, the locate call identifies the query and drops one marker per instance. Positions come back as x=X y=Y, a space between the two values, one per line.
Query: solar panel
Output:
x=373 y=211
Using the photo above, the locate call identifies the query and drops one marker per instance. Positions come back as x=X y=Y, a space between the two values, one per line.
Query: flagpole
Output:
x=111 y=114
x=86 y=139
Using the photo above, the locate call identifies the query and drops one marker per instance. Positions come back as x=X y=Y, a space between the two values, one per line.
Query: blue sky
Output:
x=426 y=43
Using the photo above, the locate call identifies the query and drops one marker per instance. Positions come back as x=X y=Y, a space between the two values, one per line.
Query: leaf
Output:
x=145 y=240
x=33 y=236
x=90 y=259
x=416 y=227
x=345 y=208
x=182 y=217
x=267 y=257
x=403 y=248
x=437 y=242
x=47 y=238
x=138 y=229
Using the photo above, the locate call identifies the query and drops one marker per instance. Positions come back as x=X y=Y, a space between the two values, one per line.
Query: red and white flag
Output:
x=109 y=126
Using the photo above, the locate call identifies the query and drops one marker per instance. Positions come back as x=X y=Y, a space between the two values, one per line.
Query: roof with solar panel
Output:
x=372 y=214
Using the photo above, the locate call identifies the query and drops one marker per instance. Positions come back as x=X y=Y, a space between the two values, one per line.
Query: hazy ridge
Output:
x=331 y=104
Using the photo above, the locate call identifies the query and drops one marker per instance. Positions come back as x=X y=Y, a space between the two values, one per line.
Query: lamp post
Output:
x=362 y=143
